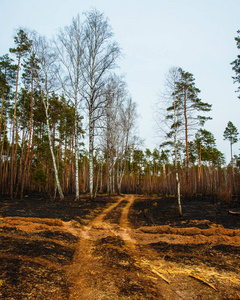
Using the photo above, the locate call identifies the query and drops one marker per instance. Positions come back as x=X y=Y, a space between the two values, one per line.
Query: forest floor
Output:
x=126 y=247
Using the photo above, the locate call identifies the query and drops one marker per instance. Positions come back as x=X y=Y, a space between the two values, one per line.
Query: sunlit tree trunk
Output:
x=12 y=158
x=29 y=143
x=46 y=106
x=91 y=149
x=1 y=157
x=176 y=158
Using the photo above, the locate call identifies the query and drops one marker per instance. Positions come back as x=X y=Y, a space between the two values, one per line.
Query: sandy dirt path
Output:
x=105 y=264
x=114 y=261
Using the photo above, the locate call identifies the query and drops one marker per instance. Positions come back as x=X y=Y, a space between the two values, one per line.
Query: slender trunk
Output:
x=65 y=165
x=51 y=149
x=91 y=143
x=113 y=179
x=3 y=93
x=120 y=177
x=199 y=167
x=13 y=132
x=150 y=181
x=165 y=178
x=109 y=164
x=97 y=180
x=5 y=178
x=117 y=175
x=186 y=139
x=76 y=150
x=21 y=162
x=15 y=166
x=29 y=144
x=84 y=175
x=110 y=184
x=2 y=142
x=101 y=175
x=29 y=173
x=1 y=156
x=72 y=177
x=176 y=157
x=233 y=175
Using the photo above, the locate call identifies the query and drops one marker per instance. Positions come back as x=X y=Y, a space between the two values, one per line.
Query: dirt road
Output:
x=115 y=261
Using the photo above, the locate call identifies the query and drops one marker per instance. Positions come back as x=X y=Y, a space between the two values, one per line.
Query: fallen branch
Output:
x=204 y=281
x=155 y=271
x=160 y=275
x=234 y=212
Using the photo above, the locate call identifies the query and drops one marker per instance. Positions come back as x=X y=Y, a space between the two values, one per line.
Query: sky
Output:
x=154 y=35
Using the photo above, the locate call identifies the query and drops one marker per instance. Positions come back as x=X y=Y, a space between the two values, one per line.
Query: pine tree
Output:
x=30 y=74
x=23 y=45
x=236 y=64
x=189 y=105
x=230 y=134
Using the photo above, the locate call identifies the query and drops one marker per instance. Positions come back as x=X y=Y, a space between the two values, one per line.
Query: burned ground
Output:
x=154 y=211
x=128 y=247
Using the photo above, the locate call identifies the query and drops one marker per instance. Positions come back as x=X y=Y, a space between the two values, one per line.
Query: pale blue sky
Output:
x=154 y=35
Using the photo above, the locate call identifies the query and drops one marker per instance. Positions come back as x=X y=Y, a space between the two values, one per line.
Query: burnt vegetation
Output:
x=64 y=232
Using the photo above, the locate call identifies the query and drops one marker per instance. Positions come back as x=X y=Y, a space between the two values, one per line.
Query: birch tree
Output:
x=47 y=84
x=127 y=140
x=115 y=91
x=99 y=57
x=70 y=49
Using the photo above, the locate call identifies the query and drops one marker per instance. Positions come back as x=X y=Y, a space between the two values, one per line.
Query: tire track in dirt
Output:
x=124 y=222
x=99 y=219
x=105 y=264
x=115 y=261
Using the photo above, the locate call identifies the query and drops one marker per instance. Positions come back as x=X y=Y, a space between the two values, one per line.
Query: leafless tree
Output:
x=117 y=137
x=100 y=54
x=127 y=139
x=47 y=84
x=111 y=125
x=70 y=49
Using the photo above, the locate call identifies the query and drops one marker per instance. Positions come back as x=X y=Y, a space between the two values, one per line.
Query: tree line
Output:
x=55 y=92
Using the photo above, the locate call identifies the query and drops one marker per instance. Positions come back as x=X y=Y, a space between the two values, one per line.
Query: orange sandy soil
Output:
x=126 y=247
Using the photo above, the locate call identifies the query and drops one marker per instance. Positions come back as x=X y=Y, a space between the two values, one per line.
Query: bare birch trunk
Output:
x=176 y=157
x=76 y=154
x=46 y=105
x=91 y=143
x=3 y=93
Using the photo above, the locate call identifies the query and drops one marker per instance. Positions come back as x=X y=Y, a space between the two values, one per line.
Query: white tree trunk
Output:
x=91 y=143
x=46 y=104
x=76 y=154
x=176 y=164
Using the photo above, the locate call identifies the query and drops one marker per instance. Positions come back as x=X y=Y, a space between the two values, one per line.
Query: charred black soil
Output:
x=149 y=211
x=130 y=247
